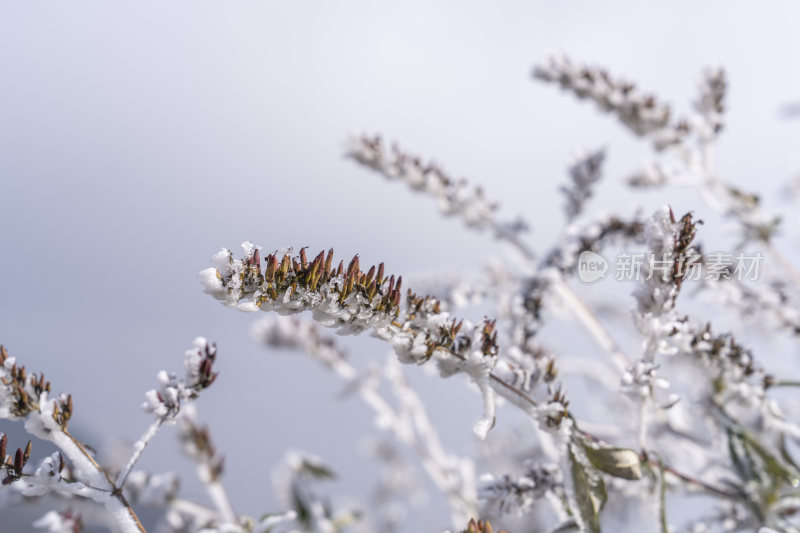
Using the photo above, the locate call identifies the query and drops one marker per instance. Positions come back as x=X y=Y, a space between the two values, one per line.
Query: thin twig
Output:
x=138 y=449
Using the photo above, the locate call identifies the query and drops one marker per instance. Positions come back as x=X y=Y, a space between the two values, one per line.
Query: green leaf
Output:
x=774 y=467
x=618 y=462
x=589 y=489
x=317 y=470
x=662 y=497
x=735 y=446
x=300 y=507
x=786 y=456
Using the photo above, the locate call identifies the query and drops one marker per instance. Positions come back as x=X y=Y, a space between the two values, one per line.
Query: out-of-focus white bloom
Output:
x=59 y=522
x=158 y=490
x=712 y=86
x=653 y=174
x=641 y=379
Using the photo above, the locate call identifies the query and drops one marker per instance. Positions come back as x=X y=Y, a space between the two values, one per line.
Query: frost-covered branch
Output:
x=454 y=197
x=26 y=396
x=642 y=113
x=353 y=301
x=646 y=116
x=420 y=331
x=584 y=171
x=408 y=422
x=476 y=212
x=197 y=445
x=298 y=483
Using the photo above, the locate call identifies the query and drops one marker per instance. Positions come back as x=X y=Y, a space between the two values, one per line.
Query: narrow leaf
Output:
x=589 y=489
x=618 y=462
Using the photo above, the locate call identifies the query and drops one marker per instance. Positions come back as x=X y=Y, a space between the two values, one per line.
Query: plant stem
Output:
x=138 y=449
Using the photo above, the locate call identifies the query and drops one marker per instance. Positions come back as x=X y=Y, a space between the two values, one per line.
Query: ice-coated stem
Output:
x=584 y=314
x=218 y=495
x=124 y=517
x=138 y=449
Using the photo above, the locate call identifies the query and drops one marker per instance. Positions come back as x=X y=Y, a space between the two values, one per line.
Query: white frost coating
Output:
x=151 y=490
x=138 y=448
x=124 y=520
x=266 y=525
x=417 y=335
x=657 y=295
x=165 y=402
x=43 y=425
x=57 y=522
x=212 y=284
x=193 y=360
x=46 y=477
x=6 y=397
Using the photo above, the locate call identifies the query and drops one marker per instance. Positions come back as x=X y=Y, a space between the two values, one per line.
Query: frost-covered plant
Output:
x=73 y=474
x=609 y=440
x=719 y=433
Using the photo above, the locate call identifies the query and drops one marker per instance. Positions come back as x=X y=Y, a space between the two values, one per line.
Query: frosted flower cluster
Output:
x=166 y=400
x=642 y=113
x=518 y=493
x=713 y=86
x=46 y=476
x=354 y=301
x=454 y=197
x=72 y=475
x=23 y=393
x=730 y=366
x=593 y=234
x=669 y=242
x=584 y=171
